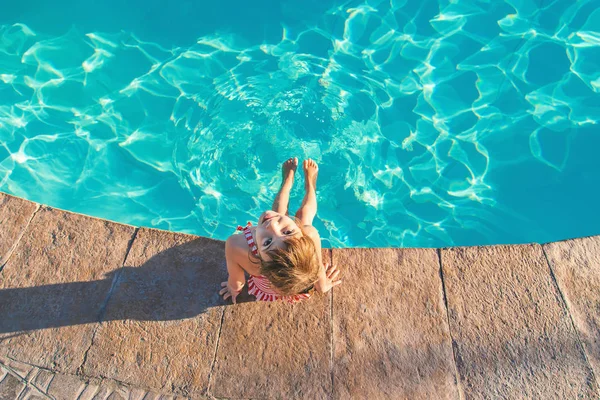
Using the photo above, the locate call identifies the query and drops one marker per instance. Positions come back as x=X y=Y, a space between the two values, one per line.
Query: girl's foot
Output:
x=288 y=170
x=311 y=170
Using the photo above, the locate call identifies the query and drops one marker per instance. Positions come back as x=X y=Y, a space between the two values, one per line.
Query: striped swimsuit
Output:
x=258 y=285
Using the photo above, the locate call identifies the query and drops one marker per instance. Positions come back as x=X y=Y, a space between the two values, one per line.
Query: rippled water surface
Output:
x=435 y=123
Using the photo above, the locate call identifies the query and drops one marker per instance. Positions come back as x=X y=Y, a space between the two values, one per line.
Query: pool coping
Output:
x=457 y=322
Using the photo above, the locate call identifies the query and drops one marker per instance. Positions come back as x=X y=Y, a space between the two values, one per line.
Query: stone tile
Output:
x=162 y=321
x=19 y=368
x=105 y=390
x=275 y=350
x=137 y=394
x=111 y=390
x=15 y=213
x=120 y=393
x=116 y=396
x=42 y=380
x=513 y=337
x=31 y=393
x=54 y=285
x=66 y=387
x=390 y=328
x=576 y=265
x=3 y=372
x=32 y=374
x=151 y=396
x=10 y=387
x=197 y=397
x=89 y=392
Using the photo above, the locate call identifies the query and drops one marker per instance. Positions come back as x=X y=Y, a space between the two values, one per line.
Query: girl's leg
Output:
x=307 y=211
x=282 y=199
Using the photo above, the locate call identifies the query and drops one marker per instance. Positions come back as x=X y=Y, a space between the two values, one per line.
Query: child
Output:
x=281 y=254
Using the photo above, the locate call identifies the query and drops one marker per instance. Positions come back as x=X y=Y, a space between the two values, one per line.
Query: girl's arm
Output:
x=327 y=273
x=236 y=279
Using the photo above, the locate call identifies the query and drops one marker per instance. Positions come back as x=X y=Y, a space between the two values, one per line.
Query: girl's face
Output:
x=272 y=229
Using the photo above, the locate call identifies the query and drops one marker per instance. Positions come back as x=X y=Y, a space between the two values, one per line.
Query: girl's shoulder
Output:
x=237 y=249
x=311 y=231
x=237 y=242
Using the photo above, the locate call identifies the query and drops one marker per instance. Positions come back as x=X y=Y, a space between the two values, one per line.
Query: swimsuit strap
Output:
x=249 y=238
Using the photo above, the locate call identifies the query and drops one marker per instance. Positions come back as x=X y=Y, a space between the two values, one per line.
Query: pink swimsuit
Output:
x=258 y=285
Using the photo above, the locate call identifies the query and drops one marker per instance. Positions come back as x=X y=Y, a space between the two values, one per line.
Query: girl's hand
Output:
x=230 y=290
x=332 y=278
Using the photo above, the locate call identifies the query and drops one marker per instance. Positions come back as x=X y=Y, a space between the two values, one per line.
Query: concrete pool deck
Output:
x=92 y=309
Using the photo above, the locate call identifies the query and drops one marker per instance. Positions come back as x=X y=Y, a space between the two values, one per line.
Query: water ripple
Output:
x=418 y=112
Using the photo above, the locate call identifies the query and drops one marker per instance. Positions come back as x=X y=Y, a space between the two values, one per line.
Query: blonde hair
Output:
x=294 y=268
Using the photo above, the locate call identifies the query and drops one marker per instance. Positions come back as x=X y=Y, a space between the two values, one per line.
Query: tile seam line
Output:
x=331 y=344
x=16 y=244
x=445 y=298
x=568 y=311
x=118 y=382
x=21 y=392
x=214 y=361
x=124 y=384
x=87 y=384
x=79 y=370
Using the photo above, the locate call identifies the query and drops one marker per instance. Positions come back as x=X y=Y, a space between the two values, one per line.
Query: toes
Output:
x=309 y=162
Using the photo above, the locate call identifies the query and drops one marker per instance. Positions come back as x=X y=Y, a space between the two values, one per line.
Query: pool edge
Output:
x=566 y=270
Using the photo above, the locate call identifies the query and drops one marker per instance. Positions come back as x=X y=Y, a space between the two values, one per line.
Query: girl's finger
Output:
x=336 y=283
x=223 y=284
x=333 y=272
x=227 y=295
x=222 y=291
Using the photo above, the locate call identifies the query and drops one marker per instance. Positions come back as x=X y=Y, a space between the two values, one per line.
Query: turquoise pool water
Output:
x=435 y=123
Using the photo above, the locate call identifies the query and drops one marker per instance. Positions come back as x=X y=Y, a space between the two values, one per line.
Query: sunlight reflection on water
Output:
x=434 y=124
